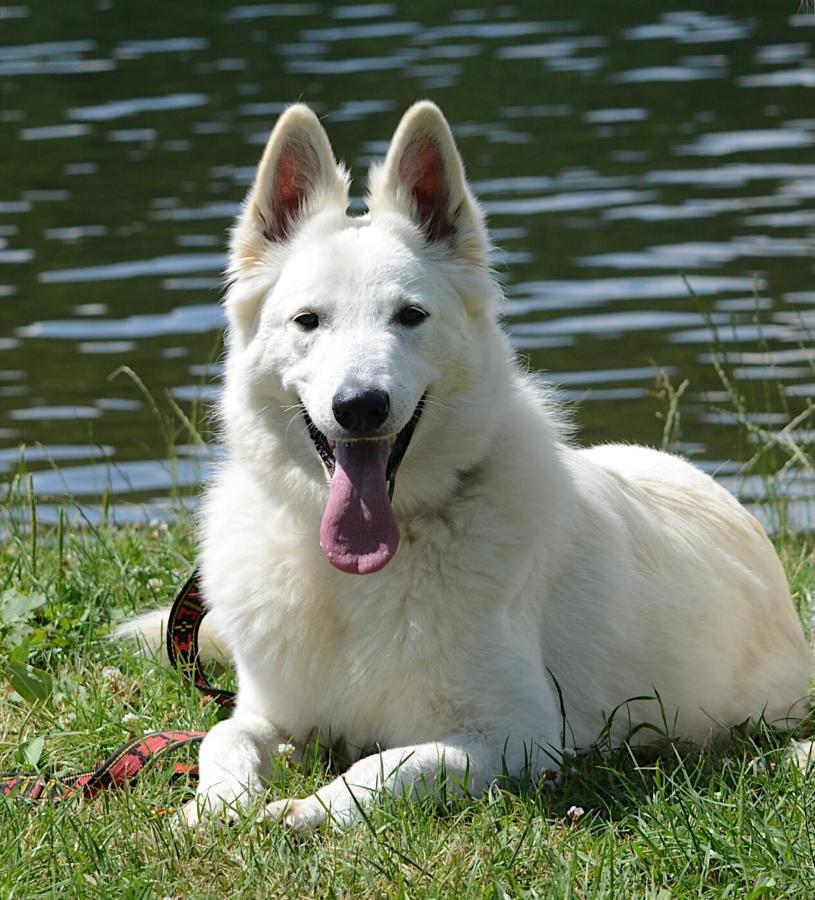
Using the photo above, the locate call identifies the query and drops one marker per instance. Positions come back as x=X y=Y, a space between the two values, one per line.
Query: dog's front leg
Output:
x=460 y=763
x=235 y=759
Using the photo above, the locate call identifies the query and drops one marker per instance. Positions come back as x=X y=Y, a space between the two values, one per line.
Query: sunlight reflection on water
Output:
x=648 y=176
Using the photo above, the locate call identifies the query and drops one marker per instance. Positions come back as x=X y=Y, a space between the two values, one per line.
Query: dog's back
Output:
x=677 y=593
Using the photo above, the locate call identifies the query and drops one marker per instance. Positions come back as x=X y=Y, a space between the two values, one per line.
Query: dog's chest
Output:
x=381 y=658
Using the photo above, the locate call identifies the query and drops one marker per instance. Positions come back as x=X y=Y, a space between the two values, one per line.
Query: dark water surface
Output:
x=616 y=148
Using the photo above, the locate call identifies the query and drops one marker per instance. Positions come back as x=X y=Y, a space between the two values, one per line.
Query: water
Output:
x=627 y=154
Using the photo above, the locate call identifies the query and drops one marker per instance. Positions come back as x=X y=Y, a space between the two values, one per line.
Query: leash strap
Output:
x=119 y=768
x=126 y=763
x=183 y=626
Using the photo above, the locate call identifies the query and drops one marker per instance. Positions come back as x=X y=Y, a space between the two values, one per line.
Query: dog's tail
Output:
x=150 y=631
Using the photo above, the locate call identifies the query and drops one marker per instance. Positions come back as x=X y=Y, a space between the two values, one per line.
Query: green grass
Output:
x=739 y=824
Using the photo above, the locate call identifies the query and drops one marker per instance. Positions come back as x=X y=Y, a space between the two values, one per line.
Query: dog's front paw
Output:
x=298 y=815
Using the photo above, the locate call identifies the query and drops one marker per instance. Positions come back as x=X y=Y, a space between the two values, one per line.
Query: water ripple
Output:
x=118 y=109
x=176 y=264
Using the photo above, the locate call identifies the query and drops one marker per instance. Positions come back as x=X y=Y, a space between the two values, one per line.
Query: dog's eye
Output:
x=411 y=316
x=308 y=321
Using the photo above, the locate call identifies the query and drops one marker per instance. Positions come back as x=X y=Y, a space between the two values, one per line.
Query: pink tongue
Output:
x=358 y=533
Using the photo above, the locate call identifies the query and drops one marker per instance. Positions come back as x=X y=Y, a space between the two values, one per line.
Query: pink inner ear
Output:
x=421 y=169
x=293 y=179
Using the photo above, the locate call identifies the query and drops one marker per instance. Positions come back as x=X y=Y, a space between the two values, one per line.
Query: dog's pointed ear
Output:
x=297 y=177
x=423 y=178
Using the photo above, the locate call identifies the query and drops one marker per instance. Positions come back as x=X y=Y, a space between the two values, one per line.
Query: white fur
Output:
x=614 y=572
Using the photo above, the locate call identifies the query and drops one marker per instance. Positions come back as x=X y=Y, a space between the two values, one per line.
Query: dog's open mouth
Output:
x=359 y=533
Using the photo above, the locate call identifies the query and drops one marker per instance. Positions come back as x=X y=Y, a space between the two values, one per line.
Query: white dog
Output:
x=516 y=590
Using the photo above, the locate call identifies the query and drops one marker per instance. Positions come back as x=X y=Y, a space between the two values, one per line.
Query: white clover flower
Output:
x=575 y=813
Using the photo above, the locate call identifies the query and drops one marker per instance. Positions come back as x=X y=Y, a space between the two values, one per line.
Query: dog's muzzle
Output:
x=397 y=454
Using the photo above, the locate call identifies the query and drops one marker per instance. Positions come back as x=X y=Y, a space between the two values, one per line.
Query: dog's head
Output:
x=361 y=345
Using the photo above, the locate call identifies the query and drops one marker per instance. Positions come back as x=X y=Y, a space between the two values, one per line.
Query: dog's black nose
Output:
x=361 y=410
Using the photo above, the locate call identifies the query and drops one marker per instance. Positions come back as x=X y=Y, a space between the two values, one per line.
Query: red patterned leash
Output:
x=128 y=761
x=120 y=767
